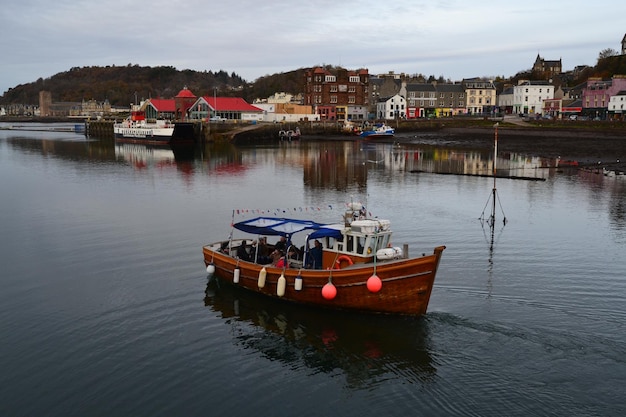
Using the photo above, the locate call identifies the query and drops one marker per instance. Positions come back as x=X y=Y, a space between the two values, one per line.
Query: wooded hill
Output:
x=121 y=85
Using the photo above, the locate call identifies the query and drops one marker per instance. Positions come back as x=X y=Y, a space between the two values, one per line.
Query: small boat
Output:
x=136 y=129
x=289 y=135
x=380 y=130
x=355 y=267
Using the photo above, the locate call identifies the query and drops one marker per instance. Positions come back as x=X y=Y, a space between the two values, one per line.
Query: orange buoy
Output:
x=374 y=283
x=329 y=291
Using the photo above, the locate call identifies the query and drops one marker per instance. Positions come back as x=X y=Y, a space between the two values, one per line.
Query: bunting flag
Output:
x=290 y=210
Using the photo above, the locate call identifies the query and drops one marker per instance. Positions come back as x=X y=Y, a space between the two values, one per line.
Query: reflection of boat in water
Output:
x=362 y=347
x=353 y=266
x=142 y=156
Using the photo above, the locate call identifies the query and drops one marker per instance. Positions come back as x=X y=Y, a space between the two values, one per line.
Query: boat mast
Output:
x=494 y=193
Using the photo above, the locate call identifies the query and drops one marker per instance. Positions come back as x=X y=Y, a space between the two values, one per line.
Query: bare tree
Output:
x=607 y=53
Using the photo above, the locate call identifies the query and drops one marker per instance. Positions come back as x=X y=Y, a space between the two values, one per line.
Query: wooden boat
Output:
x=359 y=270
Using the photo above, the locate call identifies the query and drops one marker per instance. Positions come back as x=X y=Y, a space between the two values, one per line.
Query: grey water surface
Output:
x=106 y=309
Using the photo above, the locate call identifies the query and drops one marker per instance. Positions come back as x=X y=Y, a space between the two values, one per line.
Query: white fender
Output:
x=282 y=284
x=262 y=275
x=298 y=283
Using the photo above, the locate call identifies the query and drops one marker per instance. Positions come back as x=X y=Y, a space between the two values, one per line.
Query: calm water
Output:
x=105 y=307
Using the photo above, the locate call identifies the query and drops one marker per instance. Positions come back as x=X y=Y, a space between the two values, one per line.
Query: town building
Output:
x=597 y=94
x=548 y=69
x=337 y=93
x=390 y=108
x=528 y=96
x=224 y=108
x=183 y=102
x=617 y=105
x=421 y=100
x=159 y=108
x=481 y=95
x=505 y=100
x=450 y=100
x=285 y=112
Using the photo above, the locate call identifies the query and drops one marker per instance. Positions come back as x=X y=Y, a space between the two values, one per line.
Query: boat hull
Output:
x=376 y=135
x=143 y=135
x=406 y=283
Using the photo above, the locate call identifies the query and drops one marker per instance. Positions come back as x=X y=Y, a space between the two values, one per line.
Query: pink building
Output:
x=597 y=95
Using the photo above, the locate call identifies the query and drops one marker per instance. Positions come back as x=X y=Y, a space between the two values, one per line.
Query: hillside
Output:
x=120 y=84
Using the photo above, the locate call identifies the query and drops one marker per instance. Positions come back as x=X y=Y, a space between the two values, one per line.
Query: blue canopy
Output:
x=329 y=230
x=273 y=226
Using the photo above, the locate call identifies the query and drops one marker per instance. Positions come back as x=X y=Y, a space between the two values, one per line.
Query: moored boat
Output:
x=355 y=267
x=136 y=129
x=379 y=130
x=289 y=135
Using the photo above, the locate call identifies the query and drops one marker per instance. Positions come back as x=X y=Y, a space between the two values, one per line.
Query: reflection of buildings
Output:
x=334 y=165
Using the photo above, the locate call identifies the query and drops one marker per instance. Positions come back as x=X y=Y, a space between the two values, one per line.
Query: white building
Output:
x=617 y=103
x=391 y=108
x=528 y=96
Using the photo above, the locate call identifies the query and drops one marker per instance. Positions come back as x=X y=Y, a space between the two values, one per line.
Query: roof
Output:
x=185 y=93
x=420 y=87
x=163 y=105
x=276 y=226
x=230 y=104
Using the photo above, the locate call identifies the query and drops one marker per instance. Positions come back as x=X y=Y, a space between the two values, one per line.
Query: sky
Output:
x=455 y=39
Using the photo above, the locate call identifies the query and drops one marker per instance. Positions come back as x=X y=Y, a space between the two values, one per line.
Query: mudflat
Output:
x=589 y=147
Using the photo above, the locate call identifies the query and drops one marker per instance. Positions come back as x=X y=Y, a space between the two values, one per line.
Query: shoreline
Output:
x=590 y=148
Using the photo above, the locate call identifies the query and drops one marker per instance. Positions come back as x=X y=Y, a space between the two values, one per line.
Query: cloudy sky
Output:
x=453 y=38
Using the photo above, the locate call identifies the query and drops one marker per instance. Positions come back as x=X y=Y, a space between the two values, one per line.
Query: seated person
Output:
x=224 y=247
x=242 y=251
x=281 y=244
x=262 y=252
x=278 y=259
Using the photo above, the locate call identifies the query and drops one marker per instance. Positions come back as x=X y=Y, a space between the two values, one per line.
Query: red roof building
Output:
x=232 y=108
x=159 y=108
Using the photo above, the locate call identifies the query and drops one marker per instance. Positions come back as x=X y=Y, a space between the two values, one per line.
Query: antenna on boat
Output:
x=493 y=197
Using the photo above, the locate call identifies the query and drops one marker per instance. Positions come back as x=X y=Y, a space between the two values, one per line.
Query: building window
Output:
x=330 y=78
x=354 y=79
x=333 y=99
